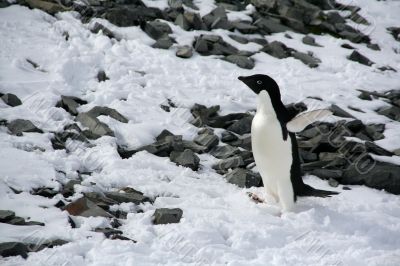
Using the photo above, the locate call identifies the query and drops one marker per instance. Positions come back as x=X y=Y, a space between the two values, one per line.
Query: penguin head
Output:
x=259 y=82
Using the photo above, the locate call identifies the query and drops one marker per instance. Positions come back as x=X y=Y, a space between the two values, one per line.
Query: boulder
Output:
x=101 y=76
x=277 y=49
x=6 y=215
x=310 y=41
x=393 y=112
x=207 y=140
x=229 y=163
x=357 y=57
x=167 y=216
x=86 y=208
x=307 y=59
x=98 y=27
x=187 y=158
x=184 y=51
x=70 y=104
x=96 y=128
x=243 y=178
x=11 y=99
x=157 y=29
x=103 y=110
x=240 y=60
x=8 y=249
x=267 y=25
x=242 y=126
x=223 y=152
x=16 y=127
x=213 y=45
x=163 y=43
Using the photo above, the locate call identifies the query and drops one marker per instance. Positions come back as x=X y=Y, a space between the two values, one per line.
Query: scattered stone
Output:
x=96 y=128
x=327 y=173
x=242 y=126
x=86 y=208
x=229 y=163
x=357 y=57
x=133 y=197
x=333 y=183
x=244 y=27
x=16 y=127
x=8 y=249
x=6 y=215
x=268 y=26
x=223 y=152
x=68 y=188
x=375 y=131
x=207 y=140
x=310 y=41
x=373 y=148
x=70 y=104
x=126 y=17
x=187 y=158
x=101 y=76
x=347 y=46
x=337 y=111
x=213 y=45
x=45 y=192
x=167 y=216
x=184 y=51
x=395 y=31
x=307 y=59
x=11 y=99
x=47 y=6
x=243 y=178
x=277 y=49
x=157 y=29
x=103 y=110
x=240 y=61
x=308 y=156
x=393 y=112
x=97 y=27
x=163 y=43
x=374 y=46
x=239 y=39
x=217 y=19
x=228 y=136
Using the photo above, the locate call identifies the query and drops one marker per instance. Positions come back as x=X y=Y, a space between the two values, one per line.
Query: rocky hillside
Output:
x=125 y=133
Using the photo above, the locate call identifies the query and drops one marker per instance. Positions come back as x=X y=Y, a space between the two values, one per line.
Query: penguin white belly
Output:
x=273 y=157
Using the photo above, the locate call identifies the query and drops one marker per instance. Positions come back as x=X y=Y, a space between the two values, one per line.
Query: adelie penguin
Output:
x=274 y=143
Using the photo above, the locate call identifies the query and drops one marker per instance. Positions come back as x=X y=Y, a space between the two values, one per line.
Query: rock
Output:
x=393 y=112
x=306 y=59
x=202 y=114
x=373 y=148
x=187 y=158
x=134 y=197
x=207 y=140
x=45 y=192
x=59 y=139
x=333 y=183
x=68 y=188
x=277 y=49
x=347 y=46
x=244 y=27
x=110 y=233
x=16 y=127
x=375 y=131
x=395 y=31
x=86 y=208
x=357 y=57
x=377 y=175
x=47 y=6
x=8 y=249
x=6 y=215
x=223 y=152
x=11 y=99
x=167 y=216
x=374 y=46
x=165 y=133
x=264 y=4
x=240 y=61
x=163 y=43
x=227 y=136
x=195 y=21
x=70 y=104
x=308 y=156
x=310 y=41
x=229 y=163
x=96 y=128
x=213 y=45
x=327 y=173
x=157 y=29
x=243 y=178
x=103 y=110
x=243 y=142
x=241 y=126
x=98 y=27
x=184 y=51
x=182 y=22
x=194 y=147
x=270 y=25
x=16 y=221
x=217 y=19
x=101 y=76
x=224 y=121
x=337 y=111
x=239 y=39
x=125 y=17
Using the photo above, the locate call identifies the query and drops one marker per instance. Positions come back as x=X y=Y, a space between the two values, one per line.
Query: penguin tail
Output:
x=309 y=191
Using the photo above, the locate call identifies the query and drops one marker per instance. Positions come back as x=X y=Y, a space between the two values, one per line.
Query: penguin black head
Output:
x=259 y=82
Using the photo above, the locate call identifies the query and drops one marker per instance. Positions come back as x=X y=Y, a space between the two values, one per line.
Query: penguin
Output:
x=274 y=143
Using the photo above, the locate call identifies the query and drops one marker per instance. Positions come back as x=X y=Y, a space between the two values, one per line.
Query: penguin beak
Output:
x=241 y=78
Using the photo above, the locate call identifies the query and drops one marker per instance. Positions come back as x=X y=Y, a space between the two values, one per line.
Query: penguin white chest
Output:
x=272 y=154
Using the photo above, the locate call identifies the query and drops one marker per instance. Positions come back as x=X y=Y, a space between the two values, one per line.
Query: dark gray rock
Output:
x=45 y=192
x=277 y=49
x=327 y=173
x=103 y=110
x=167 y=216
x=307 y=59
x=187 y=158
x=70 y=104
x=6 y=215
x=268 y=25
x=182 y=22
x=227 y=136
x=217 y=19
x=101 y=76
x=165 y=133
x=195 y=21
x=375 y=131
x=213 y=45
x=68 y=188
x=207 y=140
x=310 y=41
x=347 y=46
x=194 y=146
x=133 y=197
x=373 y=148
x=11 y=99
x=243 y=178
x=241 y=126
x=308 y=156
x=242 y=142
x=184 y=51
x=96 y=128
x=264 y=4
x=98 y=27
x=239 y=39
x=229 y=163
x=16 y=127
x=377 y=175
x=374 y=46
x=86 y=208
x=244 y=27
x=8 y=249
x=223 y=152
x=357 y=57
x=333 y=182
x=135 y=16
x=241 y=61
x=395 y=31
x=393 y=112
x=163 y=43
x=340 y=112
x=202 y=114
x=47 y=6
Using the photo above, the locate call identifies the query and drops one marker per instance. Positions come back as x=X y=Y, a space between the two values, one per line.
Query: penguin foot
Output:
x=255 y=198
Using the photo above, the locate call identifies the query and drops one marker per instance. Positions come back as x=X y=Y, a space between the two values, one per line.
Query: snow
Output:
x=220 y=224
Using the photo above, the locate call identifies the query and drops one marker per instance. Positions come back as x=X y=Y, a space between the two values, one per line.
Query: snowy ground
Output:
x=220 y=225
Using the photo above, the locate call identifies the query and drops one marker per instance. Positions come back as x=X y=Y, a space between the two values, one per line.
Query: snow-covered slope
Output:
x=220 y=224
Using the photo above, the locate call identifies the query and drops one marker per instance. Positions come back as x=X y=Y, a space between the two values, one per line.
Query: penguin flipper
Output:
x=309 y=191
x=299 y=122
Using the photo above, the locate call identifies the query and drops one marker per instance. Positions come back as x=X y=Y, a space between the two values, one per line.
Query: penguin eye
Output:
x=259 y=82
